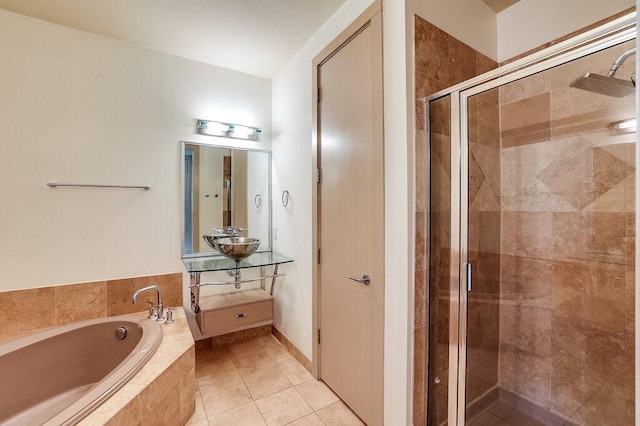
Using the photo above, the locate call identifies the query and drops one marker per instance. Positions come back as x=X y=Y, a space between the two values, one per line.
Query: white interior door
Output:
x=351 y=222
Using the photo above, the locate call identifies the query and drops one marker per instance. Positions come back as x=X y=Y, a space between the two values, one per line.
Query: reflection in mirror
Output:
x=225 y=187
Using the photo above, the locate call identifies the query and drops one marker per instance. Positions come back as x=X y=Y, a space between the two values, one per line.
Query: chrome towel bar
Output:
x=81 y=185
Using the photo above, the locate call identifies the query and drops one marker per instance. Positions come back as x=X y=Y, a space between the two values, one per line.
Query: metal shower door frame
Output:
x=600 y=38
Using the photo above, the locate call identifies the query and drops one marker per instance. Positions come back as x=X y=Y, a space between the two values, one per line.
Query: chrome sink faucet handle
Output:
x=153 y=312
x=159 y=309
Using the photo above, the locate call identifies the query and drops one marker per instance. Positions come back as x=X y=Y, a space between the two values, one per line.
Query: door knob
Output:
x=366 y=279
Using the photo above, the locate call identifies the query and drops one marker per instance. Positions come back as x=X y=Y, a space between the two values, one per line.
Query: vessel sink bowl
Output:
x=236 y=248
x=209 y=239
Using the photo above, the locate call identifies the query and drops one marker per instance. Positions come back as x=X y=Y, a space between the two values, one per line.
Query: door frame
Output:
x=600 y=38
x=330 y=49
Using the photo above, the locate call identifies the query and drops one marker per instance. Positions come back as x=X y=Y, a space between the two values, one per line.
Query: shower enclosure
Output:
x=531 y=236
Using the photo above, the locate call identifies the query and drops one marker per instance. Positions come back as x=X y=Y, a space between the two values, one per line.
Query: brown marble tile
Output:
x=317 y=394
x=525 y=374
x=476 y=388
x=526 y=328
x=570 y=389
x=484 y=64
x=489 y=122
x=517 y=411
x=310 y=420
x=432 y=51
x=606 y=407
x=419 y=403
x=589 y=236
x=245 y=414
x=487 y=373
x=220 y=398
x=420 y=255
x=462 y=61
x=295 y=372
x=187 y=387
x=120 y=292
x=601 y=302
x=526 y=121
x=422 y=170
x=488 y=159
x=440 y=117
x=579 y=112
x=476 y=177
x=425 y=86
x=265 y=382
x=283 y=407
x=488 y=419
x=160 y=400
x=529 y=234
x=526 y=281
x=12 y=310
x=171 y=285
x=584 y=173
x=338 y=414
x=131 y=414
x=580 y=345
x=79 y=302
x=483 y=321
x=525 y=88
x=297 y=354
x=419 y=355
x=275 y=350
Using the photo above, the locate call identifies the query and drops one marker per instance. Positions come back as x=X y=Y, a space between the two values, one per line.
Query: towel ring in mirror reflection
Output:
x=257 y=200
x=285 y=198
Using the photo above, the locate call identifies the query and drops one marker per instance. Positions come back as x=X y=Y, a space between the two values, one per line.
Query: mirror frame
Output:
x=269 y=206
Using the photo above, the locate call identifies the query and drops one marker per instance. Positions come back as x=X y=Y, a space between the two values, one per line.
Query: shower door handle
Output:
x=468 y=277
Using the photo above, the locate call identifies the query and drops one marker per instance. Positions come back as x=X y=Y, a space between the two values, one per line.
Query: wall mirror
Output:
x=224 y=186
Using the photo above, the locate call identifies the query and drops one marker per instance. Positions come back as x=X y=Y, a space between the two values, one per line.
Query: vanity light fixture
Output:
x=227 y=130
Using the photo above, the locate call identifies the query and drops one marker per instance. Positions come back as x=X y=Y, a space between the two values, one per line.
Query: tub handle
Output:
x=153 y=311
x=169 y=316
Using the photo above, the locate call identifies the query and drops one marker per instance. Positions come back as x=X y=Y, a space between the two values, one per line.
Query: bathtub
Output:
x=58 y=376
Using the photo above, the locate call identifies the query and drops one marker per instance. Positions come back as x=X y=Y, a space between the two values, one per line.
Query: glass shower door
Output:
x=549 y=206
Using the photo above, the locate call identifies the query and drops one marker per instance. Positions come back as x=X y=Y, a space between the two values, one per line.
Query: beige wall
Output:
x=531 y=23
x=80 y=108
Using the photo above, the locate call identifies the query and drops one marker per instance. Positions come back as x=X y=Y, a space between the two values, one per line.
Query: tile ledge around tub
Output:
x=176 y=341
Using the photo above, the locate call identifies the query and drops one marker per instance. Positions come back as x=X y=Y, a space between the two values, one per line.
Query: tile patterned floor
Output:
x=258 y=382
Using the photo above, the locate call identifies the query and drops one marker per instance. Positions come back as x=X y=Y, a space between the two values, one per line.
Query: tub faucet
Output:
x=159 y=309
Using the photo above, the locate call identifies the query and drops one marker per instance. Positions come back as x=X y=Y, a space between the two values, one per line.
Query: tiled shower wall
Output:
x=441 y=61
x=552 y=233
x=568 y=234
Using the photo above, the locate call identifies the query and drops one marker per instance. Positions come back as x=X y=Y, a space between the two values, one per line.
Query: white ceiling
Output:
x=252 y=36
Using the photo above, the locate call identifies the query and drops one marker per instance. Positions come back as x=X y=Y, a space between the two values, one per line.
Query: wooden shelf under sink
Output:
x=227 y=313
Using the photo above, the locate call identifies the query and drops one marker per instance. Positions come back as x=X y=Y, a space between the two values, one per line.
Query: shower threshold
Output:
x=500 y=407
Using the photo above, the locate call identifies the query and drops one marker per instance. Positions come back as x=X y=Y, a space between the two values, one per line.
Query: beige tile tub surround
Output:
x=163 y=391
x=58 y=305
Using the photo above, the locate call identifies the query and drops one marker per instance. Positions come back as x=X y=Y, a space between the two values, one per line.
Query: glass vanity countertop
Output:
x=221 y=263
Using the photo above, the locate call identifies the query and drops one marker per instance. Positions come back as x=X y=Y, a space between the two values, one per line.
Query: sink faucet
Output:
x=159 y=309
x=234 y=232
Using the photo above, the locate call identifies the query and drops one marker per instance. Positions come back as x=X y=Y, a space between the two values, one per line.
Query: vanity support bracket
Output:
x=195 y=291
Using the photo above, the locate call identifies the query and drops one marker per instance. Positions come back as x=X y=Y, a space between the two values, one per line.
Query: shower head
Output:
x=608 y=84
x=604 y=85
